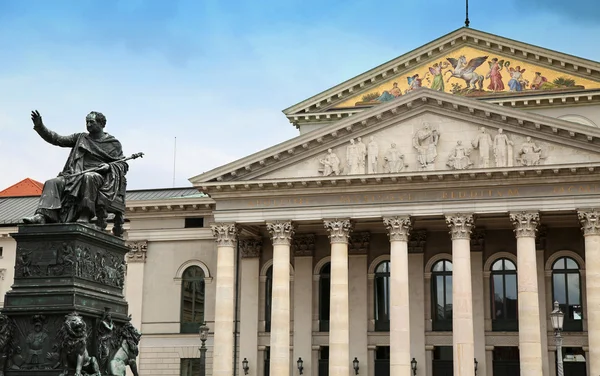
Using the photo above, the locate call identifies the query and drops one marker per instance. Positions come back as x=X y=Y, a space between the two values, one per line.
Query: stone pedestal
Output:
x=61 y=269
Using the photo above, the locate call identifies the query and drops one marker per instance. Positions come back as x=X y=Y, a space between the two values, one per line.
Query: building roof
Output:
x=13 y=209
x=26 y=187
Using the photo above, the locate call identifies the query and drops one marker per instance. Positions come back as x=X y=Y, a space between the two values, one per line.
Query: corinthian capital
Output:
x=525 y=223
x=281 y=232
x=339 y=230
x=460 y=225
x=137 y=251
x=398 y=227
x=250 y=247
x=225 y=234
x=590 y=221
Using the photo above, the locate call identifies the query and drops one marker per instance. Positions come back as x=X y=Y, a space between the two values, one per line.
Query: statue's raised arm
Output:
x=50 y=136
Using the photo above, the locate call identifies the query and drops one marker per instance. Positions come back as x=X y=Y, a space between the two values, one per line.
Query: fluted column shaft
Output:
x=590 y=221
x=400 y=354
x=530 y=340
x=339 y=325
x=226 y=237
x=461 y=226
x=281 y=233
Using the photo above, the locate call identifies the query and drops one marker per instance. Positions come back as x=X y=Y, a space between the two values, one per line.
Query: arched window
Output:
x=268 y=298
x=441 y=295
x=192 y=299
x=566 y=288
x=324 y=297
x=504 y=296
x=382 y=297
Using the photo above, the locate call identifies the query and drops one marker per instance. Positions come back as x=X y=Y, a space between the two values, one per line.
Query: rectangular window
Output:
x=1 y=251
x=190 y=367
x=324 y=361
x=192 y=222
x=267 y=361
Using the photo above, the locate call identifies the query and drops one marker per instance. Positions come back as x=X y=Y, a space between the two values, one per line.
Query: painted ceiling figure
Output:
x=494 y=75
x=438 y=78
x=393 y=93
x=466 y=71
x=517 y=82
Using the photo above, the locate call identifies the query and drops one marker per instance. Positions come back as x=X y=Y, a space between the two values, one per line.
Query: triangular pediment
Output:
x=525 y=70
x=413 y=123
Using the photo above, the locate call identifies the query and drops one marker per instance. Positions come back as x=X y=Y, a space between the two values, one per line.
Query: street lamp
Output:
x=245 y=366
x=413 y=366
x=355 y=364
x=300 y=364
x=203 y=337
x=476 y=363
x=557 y=317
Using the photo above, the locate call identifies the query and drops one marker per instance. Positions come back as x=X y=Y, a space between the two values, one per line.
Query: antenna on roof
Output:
x=467 y=18
x=174 y=159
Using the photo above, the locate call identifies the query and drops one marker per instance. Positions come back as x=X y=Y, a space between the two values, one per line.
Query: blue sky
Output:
x=216 y=74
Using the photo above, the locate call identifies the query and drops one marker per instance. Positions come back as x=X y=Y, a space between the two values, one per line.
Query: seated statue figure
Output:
x=91 y=178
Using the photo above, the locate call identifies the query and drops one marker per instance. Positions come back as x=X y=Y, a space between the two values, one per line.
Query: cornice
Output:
x=178 y=234
x=415 y=103
x=168 y=207
x=462 y=37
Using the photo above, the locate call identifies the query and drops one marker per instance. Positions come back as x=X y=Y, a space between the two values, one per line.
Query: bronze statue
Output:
x=92 y=178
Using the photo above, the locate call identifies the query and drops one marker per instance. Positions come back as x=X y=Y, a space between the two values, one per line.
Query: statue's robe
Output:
x=65 y=197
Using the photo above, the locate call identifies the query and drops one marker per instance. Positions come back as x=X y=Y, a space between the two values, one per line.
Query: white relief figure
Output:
x=394 y=160
x=331 y=164
x=352 y=158
x=425 y=141
x=483 y=142
x=362 y=155
x=372 y=156
x=459 y=157
x=529 y=154
x=503 y=150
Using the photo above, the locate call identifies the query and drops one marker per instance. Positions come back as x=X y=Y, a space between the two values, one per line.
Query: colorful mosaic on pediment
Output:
x=474 y=73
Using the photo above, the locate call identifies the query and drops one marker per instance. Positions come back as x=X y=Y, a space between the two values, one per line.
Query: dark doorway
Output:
x=382 y=361
x=324 y=361
x=442 y=361
x=506 y=361
x=267 y=361
x=574 y=362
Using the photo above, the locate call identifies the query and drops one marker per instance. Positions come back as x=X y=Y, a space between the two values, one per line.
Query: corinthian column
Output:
x=400 y=355
x=590 y=224
x=226 y=237
x=281 y=234
x=461 y=226
x=530 y=338
x=339 y=326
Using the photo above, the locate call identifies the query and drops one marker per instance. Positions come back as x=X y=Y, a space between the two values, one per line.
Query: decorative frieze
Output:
x=137 y=251
x=359 y=242
x=339 y=230
x=225 y=234
x=281 y=232
x=303 y=245
x=525 y=223
x=398 y=227
x=460 y=225
x=477 y=240
x=250 y=247
x=417 y=241
x=590 y=221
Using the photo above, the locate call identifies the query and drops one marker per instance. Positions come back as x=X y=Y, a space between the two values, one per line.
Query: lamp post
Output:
x=557 y=317
x=413 y=366
x=355 y=364
x=203 y=338
x=476 y=363
x=300 y=364
x=245 y=366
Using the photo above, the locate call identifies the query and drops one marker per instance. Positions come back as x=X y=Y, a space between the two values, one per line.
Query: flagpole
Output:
x=467 y=13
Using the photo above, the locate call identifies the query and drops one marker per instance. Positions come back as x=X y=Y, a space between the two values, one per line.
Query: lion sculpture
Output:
x=126 y=351
x=72 y=340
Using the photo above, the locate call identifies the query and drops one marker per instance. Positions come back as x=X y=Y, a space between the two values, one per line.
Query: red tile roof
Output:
x=26 y=187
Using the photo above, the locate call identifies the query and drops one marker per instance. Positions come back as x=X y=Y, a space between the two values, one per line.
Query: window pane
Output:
x=558 y=285
x=510 y=292
x=438 y=267
x=498 y=290
x=190 y=367
x=574 y=291
x=192 y=298
x=448 y=265
x=326 y=269
x=571 y=264
x=559 y=264
x=575 y=312
x=383 y=267
x=324 y=298
x=509 y=265
x=448 y=308
x=382 y=305
x=497 y=265
x=439 y=297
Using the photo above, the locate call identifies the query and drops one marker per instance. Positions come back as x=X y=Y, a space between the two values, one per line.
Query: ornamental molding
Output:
x=225 y=234
x=525 y=223
x=461 y=225
x=250 y=247
x=590 y=221
x=540 y=238
x=303 y=245
x=398 y=227
x=339 y=230
x=281 y=232
x=359 y=243
x=137 y=251
x=417 y=241
x=477 y=240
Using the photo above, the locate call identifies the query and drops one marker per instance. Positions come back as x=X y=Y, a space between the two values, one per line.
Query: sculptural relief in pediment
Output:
x=471 y=72
x=431 y=142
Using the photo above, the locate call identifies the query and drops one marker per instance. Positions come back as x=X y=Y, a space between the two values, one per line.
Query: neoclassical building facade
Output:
x=428 y=216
